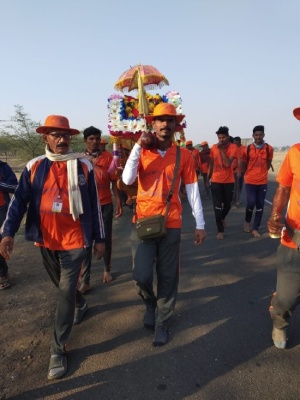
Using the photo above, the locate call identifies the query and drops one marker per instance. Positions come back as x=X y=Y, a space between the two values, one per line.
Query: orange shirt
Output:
x=205 y=158
x=155 y=174
x=221 y=173
x=257 y=168
x=289 y=175
x=102 y=177
x=196 y=157
x=241 y=158
x=59 y=230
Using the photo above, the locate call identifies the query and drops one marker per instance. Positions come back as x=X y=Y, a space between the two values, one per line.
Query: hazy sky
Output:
x=234 y=62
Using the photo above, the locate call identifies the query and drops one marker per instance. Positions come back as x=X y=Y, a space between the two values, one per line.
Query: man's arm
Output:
x=194 y=199
x=15 y=213
x=226 y=160
x=210 y=171
x=9 y=182
x=130 y=171
x=119 y=209
x=280 y=200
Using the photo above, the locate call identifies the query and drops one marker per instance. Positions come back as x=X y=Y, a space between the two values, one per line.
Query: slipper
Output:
x=4 y=284
x=57 y=366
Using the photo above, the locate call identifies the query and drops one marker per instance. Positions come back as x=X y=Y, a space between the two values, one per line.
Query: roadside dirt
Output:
x=27 y=310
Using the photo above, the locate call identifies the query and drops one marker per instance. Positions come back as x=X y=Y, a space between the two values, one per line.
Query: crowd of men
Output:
x=67 y=198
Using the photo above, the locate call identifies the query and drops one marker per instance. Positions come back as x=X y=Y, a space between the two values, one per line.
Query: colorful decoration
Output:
x=124 y=120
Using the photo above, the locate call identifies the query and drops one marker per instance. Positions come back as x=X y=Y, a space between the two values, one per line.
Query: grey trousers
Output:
x=107 y=215
x=287 y=294
x=163 y=254
x=63 y=267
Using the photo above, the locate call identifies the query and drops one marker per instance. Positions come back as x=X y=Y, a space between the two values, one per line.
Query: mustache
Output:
x=166 y=129
x=62 y=145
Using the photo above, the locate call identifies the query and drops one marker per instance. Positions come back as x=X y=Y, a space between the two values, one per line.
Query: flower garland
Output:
x=124 y=119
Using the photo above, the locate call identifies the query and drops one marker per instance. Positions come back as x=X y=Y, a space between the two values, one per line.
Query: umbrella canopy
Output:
x=141 y=77
x=150 y=76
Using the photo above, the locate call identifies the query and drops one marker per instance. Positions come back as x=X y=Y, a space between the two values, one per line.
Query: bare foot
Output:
x=220 y=236
x=247 y=227
x=84 y=288
x=256 y=234
x=107 y=277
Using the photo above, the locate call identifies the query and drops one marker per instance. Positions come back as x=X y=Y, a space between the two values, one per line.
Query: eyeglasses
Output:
x=60 y=135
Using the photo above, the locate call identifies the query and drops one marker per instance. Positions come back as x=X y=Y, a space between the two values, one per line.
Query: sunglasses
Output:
x=60 y=135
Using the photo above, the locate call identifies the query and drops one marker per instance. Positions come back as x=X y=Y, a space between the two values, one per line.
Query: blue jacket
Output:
x=29 y=193
x=8 y=181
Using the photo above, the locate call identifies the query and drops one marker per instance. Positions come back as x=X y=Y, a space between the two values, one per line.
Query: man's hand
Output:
x=274 y=225
x=119 y=210
x=6 y=247
x=99 y=249
x=200 y=236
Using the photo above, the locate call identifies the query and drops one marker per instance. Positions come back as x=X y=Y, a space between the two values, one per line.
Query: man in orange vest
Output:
x=287 y=225
x=258 y=162
x=155 y=171
x=239 y=171
x=205 y=159
x=101 y=160
x=222 y=155
x=196 y=156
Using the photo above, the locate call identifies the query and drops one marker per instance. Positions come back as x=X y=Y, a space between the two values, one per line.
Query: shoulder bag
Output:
x=155 y=226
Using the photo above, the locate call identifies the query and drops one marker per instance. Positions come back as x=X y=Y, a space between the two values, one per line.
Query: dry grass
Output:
x=277 y=160
x=18 y=165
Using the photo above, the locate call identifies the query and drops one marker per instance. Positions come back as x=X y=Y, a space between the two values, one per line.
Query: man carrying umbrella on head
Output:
x=155 y=169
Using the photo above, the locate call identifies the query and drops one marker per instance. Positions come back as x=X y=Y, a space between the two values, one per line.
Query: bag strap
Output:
x=173 y=181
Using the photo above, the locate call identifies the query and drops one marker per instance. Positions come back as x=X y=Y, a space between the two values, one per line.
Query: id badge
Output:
x=57 y=205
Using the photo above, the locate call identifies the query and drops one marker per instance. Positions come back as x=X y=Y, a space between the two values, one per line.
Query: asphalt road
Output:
x=220 y=343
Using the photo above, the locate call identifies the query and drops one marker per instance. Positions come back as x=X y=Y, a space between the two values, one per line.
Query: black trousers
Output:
x=222 y=198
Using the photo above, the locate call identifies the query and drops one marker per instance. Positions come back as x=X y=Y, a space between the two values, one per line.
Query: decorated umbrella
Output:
x=141 y=77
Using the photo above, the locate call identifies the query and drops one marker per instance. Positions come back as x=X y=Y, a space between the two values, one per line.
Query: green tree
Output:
x=21 y=135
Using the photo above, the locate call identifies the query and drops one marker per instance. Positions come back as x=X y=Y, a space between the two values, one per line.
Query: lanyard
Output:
x=54 y=166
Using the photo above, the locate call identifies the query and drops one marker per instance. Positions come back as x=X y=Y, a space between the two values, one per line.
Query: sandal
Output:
x=57 y=366
x=4 y=284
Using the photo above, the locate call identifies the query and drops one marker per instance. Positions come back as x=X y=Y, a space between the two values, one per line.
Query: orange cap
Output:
x=56 y=122
x=203 y=144
x=296 y=113
x=164 y=109
x=188 y=143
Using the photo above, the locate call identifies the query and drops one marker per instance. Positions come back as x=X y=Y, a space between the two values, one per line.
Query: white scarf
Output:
x=75 y=201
